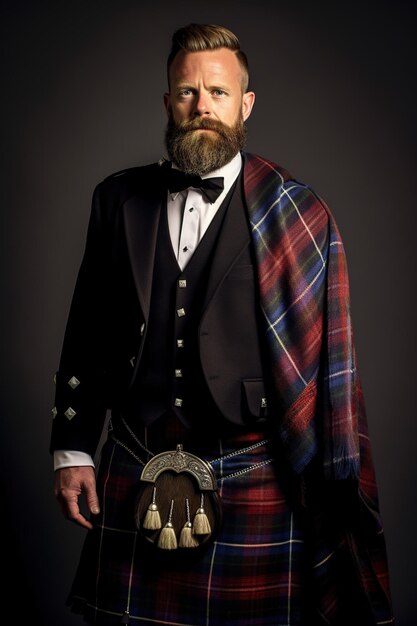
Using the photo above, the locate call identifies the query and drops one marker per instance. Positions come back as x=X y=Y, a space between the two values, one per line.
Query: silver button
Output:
x=180 y=343
x=182 y=283
x=181 y=312
x=69 y=413
x=73 y=382
x=178 y=402
x=178 y=373
x=263 y=403
x=54 y=413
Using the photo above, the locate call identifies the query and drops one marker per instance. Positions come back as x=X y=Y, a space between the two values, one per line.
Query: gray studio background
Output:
x=82 y=97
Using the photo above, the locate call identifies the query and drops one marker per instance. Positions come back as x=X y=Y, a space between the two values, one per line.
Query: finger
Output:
x=68 y=501
x=92 y=498
x=73 y=515
x=82 y=521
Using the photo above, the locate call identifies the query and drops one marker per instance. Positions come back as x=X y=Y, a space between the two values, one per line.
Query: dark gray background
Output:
x=82 y=97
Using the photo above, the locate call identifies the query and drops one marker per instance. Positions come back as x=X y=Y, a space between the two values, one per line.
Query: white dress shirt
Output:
x=189 y=216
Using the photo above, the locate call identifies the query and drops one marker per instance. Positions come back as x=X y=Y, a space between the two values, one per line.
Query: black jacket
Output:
x=107 y=324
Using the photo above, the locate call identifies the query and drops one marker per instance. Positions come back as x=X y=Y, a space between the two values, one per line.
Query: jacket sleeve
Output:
x=80 y=401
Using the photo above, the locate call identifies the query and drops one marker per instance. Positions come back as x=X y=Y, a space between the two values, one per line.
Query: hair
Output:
x=200 y=37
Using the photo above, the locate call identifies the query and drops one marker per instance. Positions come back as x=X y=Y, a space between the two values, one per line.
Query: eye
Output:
x=186 y=92
x=219 y=93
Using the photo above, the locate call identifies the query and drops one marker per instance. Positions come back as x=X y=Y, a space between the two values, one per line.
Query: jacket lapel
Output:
x=233 y=238
x=141 y=219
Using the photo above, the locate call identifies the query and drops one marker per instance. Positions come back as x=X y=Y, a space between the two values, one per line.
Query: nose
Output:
x=201 y=105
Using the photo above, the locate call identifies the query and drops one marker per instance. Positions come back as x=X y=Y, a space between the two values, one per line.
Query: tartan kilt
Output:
x=257 y=571
x=251 y=574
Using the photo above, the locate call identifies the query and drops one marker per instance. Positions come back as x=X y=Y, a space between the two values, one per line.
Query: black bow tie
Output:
x=211 y=188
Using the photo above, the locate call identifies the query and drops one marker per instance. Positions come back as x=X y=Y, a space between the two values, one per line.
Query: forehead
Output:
x=219 y=65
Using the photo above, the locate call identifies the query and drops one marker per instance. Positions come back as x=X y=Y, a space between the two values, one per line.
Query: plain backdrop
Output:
x=82 y=86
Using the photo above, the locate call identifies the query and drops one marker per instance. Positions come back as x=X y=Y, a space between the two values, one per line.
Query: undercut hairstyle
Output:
x=200 y=37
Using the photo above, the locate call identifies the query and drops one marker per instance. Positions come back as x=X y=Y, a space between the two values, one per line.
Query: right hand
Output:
x=70 y=483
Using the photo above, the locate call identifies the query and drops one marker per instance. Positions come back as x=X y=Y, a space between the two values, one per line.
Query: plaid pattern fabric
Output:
x=273 y=563
x=304 y=295
x=305 y=300
x=253 y=574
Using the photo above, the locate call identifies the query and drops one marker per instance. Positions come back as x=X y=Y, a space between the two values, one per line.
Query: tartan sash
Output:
x=304 y=295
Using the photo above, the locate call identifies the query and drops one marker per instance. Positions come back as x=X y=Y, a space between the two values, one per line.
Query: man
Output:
x=211 y=317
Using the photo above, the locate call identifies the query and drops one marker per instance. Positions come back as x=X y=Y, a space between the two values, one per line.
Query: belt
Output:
x=119 y=440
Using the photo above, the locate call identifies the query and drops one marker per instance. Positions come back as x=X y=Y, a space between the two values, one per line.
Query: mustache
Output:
x=200 y=123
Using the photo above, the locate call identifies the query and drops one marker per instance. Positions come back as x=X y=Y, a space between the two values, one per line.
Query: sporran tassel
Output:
x=187 y=539
x=152 y=519
x=201 y=524
x=167 y=539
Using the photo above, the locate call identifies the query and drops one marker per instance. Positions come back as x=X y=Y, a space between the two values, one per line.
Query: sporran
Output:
x=178 y=505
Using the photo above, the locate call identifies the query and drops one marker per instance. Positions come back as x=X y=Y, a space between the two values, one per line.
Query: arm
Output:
x=80 y=399
x=80 y=404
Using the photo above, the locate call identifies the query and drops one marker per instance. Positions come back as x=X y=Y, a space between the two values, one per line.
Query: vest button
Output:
x=181 y=312
x=178 y=373
x=180 y=343
x=178 y=402
x=182 y=283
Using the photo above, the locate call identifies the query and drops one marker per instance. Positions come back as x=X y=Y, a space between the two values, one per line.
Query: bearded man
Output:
x=211 y=317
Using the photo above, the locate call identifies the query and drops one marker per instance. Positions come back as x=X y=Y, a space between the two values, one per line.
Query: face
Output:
x=206 y=110
x=207 y=84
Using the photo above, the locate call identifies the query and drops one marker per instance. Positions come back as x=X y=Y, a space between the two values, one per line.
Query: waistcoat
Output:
x=170 y=378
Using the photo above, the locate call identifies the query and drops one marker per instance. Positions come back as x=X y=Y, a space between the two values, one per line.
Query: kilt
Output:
x=255 y=572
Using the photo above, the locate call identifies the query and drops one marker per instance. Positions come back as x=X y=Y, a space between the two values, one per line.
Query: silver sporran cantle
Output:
x=178 y=504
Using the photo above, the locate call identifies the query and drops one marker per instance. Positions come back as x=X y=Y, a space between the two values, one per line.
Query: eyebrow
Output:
x=181 y=86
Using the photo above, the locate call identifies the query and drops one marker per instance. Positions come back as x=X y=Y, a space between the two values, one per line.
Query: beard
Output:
x=200 y=153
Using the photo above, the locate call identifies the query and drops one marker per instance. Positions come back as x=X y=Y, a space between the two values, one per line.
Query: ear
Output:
x=167 y=103
x=248 y=100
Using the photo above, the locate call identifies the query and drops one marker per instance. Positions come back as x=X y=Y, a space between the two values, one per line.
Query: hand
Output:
x=70 y=483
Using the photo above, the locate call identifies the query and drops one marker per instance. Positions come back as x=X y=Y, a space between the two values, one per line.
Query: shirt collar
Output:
x=230 y=172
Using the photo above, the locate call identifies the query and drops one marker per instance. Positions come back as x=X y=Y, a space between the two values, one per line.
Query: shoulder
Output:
x=260 y=172
x=258 y=168
x=267 y=182
x=123 y=184
x=146 y=182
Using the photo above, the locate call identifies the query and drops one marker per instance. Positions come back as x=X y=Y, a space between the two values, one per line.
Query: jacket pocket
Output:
x=255 y=405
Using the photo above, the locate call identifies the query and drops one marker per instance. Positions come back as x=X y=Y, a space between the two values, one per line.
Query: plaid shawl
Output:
x=305 y=300
x=304 y=295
